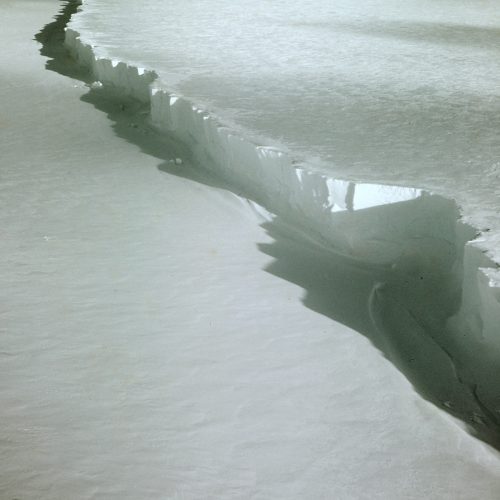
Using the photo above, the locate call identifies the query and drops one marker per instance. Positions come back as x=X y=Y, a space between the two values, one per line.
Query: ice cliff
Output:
x=436 y=296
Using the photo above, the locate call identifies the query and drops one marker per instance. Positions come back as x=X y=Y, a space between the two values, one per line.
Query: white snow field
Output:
x=165 y=338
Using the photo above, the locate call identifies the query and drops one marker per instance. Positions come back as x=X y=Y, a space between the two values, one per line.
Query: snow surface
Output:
x=146 y=353
x=374 y=90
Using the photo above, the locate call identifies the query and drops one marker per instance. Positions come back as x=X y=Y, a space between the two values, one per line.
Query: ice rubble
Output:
x=431 y=263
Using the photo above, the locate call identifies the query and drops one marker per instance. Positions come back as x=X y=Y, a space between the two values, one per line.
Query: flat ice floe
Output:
x=374 y=91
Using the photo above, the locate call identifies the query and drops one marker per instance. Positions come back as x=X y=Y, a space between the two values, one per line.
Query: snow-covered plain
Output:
x=146 y=353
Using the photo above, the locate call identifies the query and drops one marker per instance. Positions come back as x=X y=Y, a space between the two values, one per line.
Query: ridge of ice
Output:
x=415 y=233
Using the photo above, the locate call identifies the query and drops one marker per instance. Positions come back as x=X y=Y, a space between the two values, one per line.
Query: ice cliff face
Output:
x=436 y=297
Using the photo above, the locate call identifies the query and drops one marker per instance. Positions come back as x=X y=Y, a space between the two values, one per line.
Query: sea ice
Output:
x=147 y=355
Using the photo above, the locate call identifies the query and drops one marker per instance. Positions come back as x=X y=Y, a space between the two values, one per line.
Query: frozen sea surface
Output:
x=377 y=90
x=144 y=351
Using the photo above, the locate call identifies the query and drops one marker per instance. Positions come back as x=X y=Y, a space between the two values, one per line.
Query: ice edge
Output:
x=381 y=236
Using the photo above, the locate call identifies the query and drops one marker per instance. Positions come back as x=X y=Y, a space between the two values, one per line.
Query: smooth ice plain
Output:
x=148 y=355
